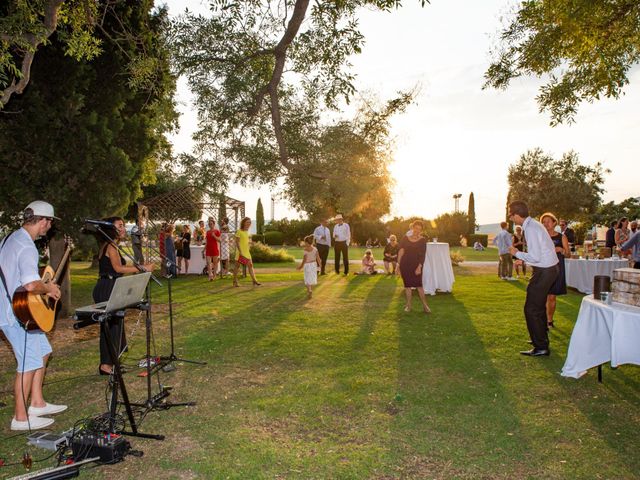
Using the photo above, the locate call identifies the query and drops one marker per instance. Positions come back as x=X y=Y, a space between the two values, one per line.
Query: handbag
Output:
x=242 y=260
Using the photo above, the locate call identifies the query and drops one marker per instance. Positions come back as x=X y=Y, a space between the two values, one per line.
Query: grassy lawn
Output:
x=356 y=253
x=347 y=385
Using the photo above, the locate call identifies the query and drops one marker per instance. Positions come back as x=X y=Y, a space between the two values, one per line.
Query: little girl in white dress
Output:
x=310 y=264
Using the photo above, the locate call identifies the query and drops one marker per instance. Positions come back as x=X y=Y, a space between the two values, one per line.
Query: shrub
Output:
x=261 y=253
x=477 y=237
x=456 y=258
x=273 y=238
x=257 y=238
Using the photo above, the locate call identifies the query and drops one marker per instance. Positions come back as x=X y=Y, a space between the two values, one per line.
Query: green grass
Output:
x=347 y=385
x=356 y=253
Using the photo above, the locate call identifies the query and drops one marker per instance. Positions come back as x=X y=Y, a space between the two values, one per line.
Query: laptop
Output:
x=127 y=291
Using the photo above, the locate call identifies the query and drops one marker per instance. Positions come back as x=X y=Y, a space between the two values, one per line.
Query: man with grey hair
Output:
x=19 y=268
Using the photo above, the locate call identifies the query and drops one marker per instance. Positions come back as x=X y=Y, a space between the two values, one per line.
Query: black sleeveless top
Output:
x=106 y=279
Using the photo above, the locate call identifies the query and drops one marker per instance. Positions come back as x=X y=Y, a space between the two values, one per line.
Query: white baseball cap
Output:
x=42 y=209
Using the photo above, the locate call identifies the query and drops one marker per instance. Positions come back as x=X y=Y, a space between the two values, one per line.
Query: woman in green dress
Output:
x=243 y=255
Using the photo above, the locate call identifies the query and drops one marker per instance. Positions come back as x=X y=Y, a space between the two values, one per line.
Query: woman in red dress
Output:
x=212 y=249
x=411 y=258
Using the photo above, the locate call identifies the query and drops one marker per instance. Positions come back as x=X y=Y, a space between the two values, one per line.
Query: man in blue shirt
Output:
x=541 y=256
x=634 y=244
x=503 y=242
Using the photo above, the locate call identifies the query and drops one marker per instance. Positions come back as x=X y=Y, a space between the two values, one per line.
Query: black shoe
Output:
x=535 y=352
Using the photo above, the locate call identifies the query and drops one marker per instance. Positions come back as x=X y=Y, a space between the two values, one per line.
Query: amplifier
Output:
x=110 y=448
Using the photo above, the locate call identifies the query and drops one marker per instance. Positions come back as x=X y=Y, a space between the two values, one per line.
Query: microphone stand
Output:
x=172 y=357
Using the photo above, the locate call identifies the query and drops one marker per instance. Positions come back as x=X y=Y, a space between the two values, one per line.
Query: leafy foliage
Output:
x=584 y=48
x=83 y=138
x=261 y=253
x=259 y=218
x=611 y=211
x=565 y=186
x=263 y=73
x=472 y=215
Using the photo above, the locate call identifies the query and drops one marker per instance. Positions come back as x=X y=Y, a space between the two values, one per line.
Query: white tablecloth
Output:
x=437 y=273
x=580 y=272
x=196 y=263
x=603 y=333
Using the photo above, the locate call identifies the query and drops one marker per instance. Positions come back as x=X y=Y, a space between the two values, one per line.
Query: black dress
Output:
x=391 y=253
x=414 y=255
x=114 y=326
x=186 y=245
x=560 y=285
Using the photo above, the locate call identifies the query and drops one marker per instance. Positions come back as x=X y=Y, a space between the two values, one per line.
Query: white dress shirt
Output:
x=322 y=235
x=342 y=233
x=541 y=252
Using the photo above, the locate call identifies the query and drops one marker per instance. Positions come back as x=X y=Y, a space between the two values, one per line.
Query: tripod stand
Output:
x=172 y=357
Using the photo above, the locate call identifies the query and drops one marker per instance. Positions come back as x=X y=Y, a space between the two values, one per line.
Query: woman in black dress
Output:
x=186 y=246
x=562 y=248
x=111 y=266
x=391 y=255
x=411 y=258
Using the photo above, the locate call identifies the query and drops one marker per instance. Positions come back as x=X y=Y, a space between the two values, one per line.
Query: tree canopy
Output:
x=264 y=73
x=611 y=211
x=564 y=186
x=83 y=137
x=583 y=48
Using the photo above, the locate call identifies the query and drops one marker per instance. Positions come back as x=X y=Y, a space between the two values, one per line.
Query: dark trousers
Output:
x=137 y=253
x=341 y=248
x=535 y=306
x=323 y=251
x=114 y=328
x=636 y=265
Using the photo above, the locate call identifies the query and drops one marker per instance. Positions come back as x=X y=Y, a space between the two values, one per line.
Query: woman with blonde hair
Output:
x=411 y=257
x=391 y=255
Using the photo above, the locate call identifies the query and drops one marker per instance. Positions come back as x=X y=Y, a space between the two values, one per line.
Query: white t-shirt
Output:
x=19 y=262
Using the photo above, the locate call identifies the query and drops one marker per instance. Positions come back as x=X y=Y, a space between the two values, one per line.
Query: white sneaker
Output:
x=48 y=409
x=35 y=423
x=511 y=279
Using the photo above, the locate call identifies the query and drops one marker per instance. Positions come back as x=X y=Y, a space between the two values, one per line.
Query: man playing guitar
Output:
x=19 y=265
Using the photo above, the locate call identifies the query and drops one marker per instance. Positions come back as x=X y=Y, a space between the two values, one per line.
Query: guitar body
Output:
x=35 y=311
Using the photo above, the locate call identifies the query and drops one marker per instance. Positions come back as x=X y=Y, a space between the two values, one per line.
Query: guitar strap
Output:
x=4 y=281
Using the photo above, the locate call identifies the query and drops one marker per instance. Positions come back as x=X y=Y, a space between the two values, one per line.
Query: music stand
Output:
x=138 y=282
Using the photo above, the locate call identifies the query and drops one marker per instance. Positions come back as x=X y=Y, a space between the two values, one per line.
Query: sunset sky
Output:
x=458 y=138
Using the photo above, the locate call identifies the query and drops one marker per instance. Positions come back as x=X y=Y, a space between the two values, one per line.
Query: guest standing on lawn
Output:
x=186 y=246
x=224 y=246
x=243 y=254
x=310 y=263
x=341 y=241
x=212 y=249
x=561 y=243
x=541 y=257
x=323 y=243
x=391 y=255
x=170 y=251
x=518 y=243
x=411 y=257
x=504 y=243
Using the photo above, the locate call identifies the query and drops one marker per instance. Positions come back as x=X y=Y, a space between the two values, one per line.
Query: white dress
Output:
x=310 y=267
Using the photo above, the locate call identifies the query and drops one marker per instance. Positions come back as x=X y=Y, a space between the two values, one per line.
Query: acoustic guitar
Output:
x=38 y=311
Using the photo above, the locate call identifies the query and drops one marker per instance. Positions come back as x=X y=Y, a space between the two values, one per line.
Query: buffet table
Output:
x=197 y=261
x=603 y=333
x=437 y=273
x=580 y=272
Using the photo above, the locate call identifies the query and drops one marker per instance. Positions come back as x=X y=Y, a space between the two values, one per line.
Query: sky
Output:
x=456 y=137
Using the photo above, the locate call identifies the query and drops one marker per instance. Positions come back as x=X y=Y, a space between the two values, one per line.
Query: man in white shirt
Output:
x=323 y=243
x=541 y=255
x=503 y=242
x=341 y=240
x=19 y=262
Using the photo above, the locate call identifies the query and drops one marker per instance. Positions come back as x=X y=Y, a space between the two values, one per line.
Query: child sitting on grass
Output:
x=310 y=263
x=368 y=264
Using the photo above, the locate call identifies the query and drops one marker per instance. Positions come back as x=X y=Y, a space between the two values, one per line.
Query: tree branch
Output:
x=50 y=22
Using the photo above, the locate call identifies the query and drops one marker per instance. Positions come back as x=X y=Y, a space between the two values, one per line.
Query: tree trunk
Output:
x=56 y=251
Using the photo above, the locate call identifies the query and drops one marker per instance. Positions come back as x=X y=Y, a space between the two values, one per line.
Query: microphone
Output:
x=99 y=223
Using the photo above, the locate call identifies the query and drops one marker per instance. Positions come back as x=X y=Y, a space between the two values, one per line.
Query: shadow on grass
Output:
x=375 y=304
x=455 y=411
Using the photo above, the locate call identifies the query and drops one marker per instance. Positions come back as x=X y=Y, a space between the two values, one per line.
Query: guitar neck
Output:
x=61 y=265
